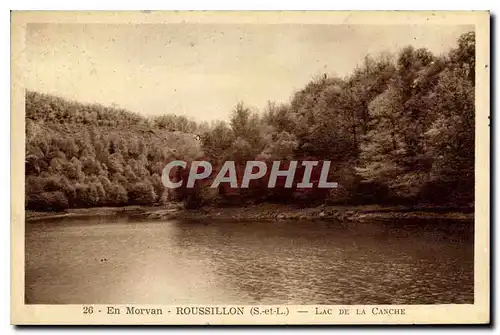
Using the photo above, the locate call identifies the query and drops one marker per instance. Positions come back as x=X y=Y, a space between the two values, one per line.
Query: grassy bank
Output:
x=267 y=212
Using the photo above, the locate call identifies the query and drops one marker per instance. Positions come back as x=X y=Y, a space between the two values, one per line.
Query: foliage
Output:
x=88 y=155
x=400 y=128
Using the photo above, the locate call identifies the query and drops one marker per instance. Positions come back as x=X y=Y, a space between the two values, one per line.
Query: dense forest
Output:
x=399 y=129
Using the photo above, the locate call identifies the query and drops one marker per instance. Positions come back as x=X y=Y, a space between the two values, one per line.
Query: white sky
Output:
x=202 y=71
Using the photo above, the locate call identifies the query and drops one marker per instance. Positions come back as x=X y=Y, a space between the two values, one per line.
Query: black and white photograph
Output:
x=226 y=165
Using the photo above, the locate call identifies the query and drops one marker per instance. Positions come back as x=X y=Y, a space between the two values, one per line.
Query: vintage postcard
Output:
x=250 y=168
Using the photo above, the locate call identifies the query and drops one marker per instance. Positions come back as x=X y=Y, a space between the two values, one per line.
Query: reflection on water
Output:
x=120 y=260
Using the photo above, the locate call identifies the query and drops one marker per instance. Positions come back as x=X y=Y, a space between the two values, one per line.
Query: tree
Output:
x=141 y=193
x=217 y=141
x=450 y=138
x=117 y=195
x=398 y=128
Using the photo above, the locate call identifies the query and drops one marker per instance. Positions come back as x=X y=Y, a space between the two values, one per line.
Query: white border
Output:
x=214 y=4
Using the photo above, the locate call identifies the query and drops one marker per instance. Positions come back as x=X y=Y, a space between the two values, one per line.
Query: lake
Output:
x=124 y=260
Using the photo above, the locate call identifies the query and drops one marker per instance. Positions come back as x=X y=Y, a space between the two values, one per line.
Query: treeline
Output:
x=399 y=129
x=81 y=155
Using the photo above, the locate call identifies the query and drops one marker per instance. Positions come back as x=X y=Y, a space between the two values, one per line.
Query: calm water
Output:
x=122 y=260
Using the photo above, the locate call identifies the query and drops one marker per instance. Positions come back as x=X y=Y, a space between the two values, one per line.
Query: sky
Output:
x=203 y=70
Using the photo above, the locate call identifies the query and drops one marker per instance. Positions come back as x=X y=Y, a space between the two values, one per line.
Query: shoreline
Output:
x=264 y=212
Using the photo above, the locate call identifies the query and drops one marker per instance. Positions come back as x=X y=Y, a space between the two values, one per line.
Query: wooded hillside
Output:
x=399 y=129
